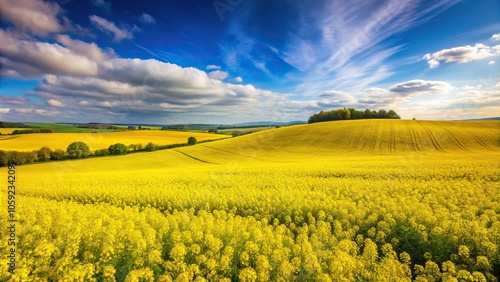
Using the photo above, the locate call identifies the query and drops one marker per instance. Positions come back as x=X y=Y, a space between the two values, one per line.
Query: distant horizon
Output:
x=236 y=61
x=292 y=122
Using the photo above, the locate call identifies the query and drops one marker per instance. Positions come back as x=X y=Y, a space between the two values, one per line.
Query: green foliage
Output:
x=101 y=152
x=192 y=140
x=58 y=155
x=213 y=130
x=44 y=154
x=77 y=150
x=118 y=149
x=5 y=124
x=35 y=130
x=20 y=158
x=351 y=113
x=4 y=158
x=151 y=147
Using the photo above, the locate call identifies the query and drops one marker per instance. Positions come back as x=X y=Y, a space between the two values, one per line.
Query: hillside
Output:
x=357 y=137
x=29 y=142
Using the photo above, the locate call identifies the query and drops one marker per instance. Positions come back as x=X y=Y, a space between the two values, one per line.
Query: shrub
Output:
x=101 y=152
x=192 y=140
x=57 y=155
x=44 y=154
x=118 y=149
x=151 y=147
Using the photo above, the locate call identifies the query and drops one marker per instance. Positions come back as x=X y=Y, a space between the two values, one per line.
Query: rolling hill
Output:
x=357 y=137
x=29 y=142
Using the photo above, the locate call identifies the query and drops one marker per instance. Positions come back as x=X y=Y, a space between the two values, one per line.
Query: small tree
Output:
x=151 y=147
x=118 y=149
x=58 y=155
x=192 y=140
x=78 y=150
x=44 y=154
x=213 y=130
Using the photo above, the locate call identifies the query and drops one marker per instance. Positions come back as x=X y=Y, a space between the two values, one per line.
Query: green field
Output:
x=364 y=200
x=69 y=128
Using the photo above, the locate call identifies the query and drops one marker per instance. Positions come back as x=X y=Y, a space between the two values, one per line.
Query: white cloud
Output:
x=110 y=27
x=238 y=79
x=32 y=16
x=101 y=4
x=213 y=67
x=89 y=50
x=496 y=36
x=418 y=86
x=4 y=110
x=348 y=49
x=54 y=103
x=491 y=63
x=38 y=58
x=147 y=18
x=218 y=75
x=463 y=54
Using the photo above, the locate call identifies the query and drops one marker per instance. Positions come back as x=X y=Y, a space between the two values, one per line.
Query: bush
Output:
x=4 y=158
x=101 y=152
x=118 y=149
x=213 y=130
x=57 y=155
x=20 y=158
x=77 y=150
x=44 y=154
x=151 y=147
x=192 y=140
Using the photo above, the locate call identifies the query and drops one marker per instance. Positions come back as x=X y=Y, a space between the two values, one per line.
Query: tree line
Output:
x=351 y=113
x=6 y=124
x=79 y=150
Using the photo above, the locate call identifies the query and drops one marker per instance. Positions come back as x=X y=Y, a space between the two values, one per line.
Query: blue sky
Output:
x=229 y=61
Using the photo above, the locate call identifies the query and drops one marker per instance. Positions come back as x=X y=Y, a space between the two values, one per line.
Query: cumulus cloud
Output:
x=4 y=110
x=102 y=4
x=12 y=100
x=491 y=62
x=238 y=79
x=147 y=18
x=463 y=54
x=496 y=36
x=110 y=28
x=333 y=99
x=30 y=16
x=213 y=67
x=418 y=86
x=154 y=90
x=218 y=75
x=54 y=103
x=32 y=58
x=89 y=50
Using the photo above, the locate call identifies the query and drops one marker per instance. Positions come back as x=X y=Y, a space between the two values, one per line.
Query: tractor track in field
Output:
x=455 y=139
x=354 y=147
x=392 y=144
x=373 y=145
x=481 y=142
x=194 y=158
x=236 y=154
x=415 y=146
x=434 y=141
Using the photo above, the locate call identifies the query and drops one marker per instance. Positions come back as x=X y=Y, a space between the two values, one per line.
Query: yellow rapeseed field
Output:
x=9 y=130
x=29 y=142
x=376 y=200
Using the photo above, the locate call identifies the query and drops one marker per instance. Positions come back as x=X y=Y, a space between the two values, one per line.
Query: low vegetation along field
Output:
x=29 y=142
x=365 y=200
